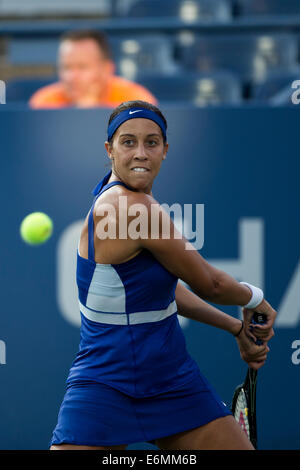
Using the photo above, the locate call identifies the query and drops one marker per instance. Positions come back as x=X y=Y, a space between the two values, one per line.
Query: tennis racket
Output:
x=244 y=398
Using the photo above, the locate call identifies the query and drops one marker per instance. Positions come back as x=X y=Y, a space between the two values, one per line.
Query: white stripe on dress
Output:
x=135 y=318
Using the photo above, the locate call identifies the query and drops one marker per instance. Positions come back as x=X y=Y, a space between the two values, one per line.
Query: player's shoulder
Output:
x=121 y=197
x=121 y=203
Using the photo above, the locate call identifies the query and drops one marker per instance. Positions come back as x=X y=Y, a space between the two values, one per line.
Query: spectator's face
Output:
x=83 y=69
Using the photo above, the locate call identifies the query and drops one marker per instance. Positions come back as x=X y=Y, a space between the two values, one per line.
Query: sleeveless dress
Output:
x=132 y=379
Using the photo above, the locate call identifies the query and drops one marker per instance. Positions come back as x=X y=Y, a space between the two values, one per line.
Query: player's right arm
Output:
x=179 y=256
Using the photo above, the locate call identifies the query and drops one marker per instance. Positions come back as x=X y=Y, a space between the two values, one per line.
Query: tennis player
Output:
x=133 y=379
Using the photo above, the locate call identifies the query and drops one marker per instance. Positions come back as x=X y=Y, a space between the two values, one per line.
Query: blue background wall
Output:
x=242 y=164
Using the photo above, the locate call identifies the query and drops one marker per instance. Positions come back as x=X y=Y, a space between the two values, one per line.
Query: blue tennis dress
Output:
x=132 y=379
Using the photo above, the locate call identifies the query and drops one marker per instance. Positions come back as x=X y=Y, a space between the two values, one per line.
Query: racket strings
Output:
x=241 y=412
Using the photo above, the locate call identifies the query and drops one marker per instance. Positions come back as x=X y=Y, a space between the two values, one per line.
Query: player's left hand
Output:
x=255 y=356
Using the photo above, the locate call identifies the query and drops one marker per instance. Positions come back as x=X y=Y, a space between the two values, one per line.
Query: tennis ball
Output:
x=36 y=228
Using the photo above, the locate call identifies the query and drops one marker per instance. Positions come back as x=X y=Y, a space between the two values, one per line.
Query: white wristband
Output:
x=257 y=296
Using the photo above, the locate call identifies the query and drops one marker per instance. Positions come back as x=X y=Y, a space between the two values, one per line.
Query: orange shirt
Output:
x=118 y=91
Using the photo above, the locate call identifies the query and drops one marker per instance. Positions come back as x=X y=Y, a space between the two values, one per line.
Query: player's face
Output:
x=83 y=69
x=137 y=153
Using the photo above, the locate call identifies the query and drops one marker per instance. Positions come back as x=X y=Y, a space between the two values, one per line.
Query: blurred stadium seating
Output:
x=21 y=89
x=32 y=50
x=265 y=91
x=142 y=54
x=251 y=56
x=283 y=97
x=57 y=7
x=206 y=89
x=269 y=7
x=155 y=41
x=185 y=10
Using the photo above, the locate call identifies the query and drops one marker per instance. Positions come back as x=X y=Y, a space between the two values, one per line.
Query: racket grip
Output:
x=258 y=319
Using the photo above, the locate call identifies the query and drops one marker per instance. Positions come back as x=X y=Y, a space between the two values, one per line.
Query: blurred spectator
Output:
x=87 y=76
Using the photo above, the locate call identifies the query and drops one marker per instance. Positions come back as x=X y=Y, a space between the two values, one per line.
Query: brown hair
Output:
x=96 y=36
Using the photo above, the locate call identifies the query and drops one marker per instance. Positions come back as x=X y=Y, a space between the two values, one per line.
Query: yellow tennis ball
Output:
x=36 y=228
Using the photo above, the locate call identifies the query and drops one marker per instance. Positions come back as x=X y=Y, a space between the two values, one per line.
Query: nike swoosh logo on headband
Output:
x=137 y=111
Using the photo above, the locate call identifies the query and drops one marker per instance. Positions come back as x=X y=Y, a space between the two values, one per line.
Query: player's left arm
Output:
x=192 y=306
x=189 y=305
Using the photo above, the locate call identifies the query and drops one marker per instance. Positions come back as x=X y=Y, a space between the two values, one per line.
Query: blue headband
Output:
x=135 y=113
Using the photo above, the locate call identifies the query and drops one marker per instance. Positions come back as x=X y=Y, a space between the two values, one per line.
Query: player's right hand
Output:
x=265 y=331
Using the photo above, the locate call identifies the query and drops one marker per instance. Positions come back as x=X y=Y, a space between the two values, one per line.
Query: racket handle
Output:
x=258 y=319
